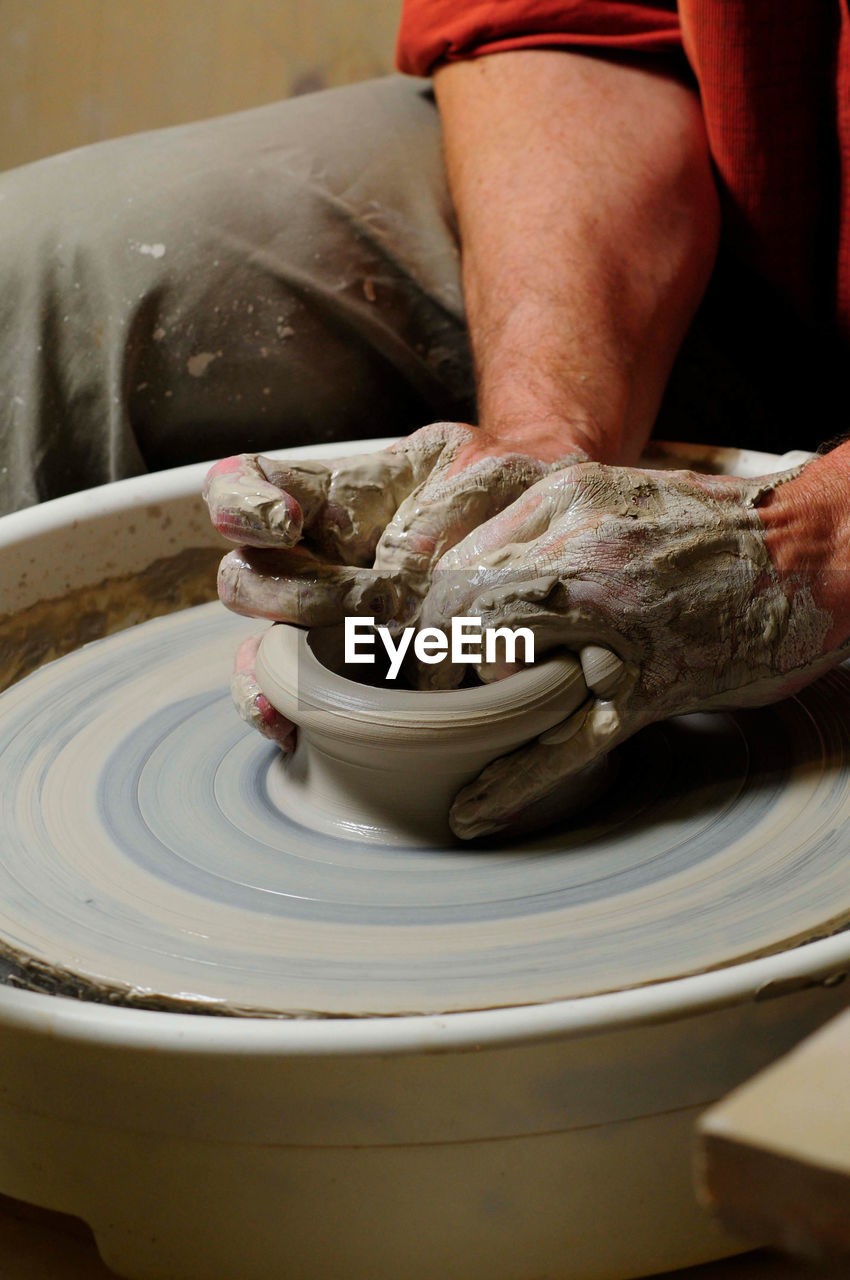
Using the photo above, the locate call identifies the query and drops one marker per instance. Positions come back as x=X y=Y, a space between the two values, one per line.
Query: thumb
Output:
x=513 y=782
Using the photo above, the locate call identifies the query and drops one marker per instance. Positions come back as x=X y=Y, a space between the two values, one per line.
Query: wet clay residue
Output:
x=28 y=973
x=51 y=628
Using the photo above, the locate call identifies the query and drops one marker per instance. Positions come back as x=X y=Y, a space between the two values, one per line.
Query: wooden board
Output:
x=775 y=1154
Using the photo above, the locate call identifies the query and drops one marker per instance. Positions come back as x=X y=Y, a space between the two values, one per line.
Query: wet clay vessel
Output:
x=383 y=764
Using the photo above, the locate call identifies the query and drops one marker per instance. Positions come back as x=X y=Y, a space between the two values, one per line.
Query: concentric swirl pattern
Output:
x=142 y=856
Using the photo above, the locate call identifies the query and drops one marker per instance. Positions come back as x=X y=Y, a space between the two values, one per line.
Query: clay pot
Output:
x=383 y=764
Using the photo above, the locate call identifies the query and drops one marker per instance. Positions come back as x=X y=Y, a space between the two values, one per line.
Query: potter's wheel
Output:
x=143 y=856
x=548 y=1139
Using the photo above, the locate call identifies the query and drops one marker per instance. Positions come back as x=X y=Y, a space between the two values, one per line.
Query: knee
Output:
x=58 y=216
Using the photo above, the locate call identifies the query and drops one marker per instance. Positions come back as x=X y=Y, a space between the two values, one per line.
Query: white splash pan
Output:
x=504 y=1145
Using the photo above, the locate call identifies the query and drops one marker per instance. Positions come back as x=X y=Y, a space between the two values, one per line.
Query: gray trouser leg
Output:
x=277 y=277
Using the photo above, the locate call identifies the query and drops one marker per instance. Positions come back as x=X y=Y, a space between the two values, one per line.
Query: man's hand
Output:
x=392 y=513
x=357 y=535
x=671 y=588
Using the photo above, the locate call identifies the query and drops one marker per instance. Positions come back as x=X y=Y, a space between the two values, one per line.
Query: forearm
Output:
x=807 y=533
x=588 y=221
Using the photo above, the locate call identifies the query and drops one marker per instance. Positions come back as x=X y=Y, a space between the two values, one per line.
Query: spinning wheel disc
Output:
x=143 y=858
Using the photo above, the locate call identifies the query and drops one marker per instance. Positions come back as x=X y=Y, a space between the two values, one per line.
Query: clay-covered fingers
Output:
x=506 y=532
x=445 y=509
x=348 y=502
x=252 y=704
x=340 y=506
x=363 y=495
x=399 y=509
x=452 y=506
x=510 y=784
x=247 y=508
x=298 y=587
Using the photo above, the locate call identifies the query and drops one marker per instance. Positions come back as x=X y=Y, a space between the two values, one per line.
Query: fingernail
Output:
x=284 y=518
x=229 y=571
x=602 y=668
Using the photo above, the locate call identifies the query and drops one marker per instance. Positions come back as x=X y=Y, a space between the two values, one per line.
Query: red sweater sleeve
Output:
x=435 y=31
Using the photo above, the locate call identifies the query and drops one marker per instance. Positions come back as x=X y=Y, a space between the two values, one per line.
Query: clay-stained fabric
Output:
x=775 y=86
x=282 y=276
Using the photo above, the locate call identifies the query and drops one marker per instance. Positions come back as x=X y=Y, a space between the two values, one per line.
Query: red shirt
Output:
x=775 y=86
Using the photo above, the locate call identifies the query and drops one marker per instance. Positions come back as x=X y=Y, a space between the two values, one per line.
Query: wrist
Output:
x=546 y=411
x=548 y=438
x=538 y=391
x=807 y=535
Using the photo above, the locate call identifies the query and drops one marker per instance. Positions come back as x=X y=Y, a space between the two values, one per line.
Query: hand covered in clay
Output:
x=321 y=540
x=660 y=582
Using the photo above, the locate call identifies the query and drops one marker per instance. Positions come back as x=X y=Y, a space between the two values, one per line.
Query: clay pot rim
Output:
x=303 y=688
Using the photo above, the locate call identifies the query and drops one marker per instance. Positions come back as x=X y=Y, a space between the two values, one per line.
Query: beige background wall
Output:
x=75 y=71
